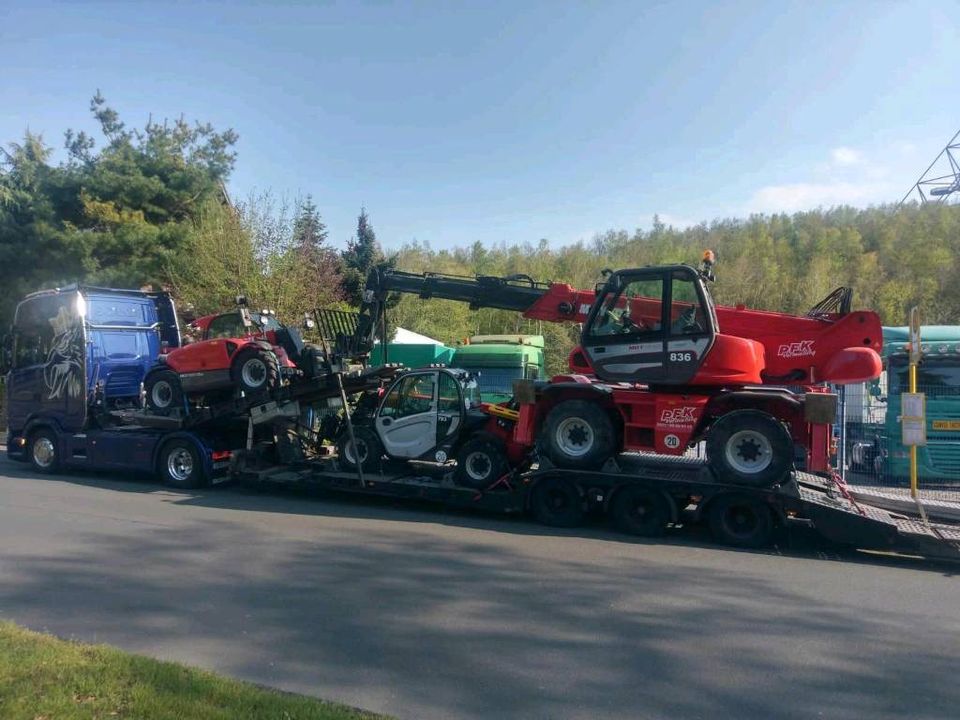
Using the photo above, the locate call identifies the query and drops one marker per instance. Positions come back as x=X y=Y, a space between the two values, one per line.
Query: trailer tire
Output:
x=750 y=447
x=163 y=392
x=636 y=510
x=179 y=465
x=254 y=370
x=740 y=521
x=43 y=451
x=579 y=434
x=371 y=450
x=481 y=461
x=556 y=502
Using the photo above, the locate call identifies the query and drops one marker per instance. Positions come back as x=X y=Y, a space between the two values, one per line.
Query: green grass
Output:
x=45 y=678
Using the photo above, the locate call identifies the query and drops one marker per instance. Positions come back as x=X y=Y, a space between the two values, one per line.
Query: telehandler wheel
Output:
x=370 y=450
x=579 y=434
x=254 y=370
x=750 y=447
x=637 y=510
x=481 y=461
x=556 y=502
x=741 y=521
x=163 y=391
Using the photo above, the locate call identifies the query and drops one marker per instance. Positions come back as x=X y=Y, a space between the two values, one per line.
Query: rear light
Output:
x=218 y=455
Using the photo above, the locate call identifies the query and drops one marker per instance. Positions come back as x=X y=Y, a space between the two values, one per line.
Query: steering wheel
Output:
x=627 y=324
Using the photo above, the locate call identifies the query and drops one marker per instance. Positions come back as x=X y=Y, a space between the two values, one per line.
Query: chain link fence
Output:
x=871 y=451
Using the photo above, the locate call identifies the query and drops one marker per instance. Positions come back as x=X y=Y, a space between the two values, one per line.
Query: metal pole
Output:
x=353 y=439
x=913 y=448
x=842 y=450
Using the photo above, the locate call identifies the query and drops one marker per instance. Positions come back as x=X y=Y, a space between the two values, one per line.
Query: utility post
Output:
x=913 y=421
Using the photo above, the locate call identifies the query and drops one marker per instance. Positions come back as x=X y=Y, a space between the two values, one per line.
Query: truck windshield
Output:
x=497 y=380
x=121 y=312
x=941 y=376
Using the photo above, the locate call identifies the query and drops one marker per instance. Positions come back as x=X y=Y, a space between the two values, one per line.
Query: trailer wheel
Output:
x=740 y=521
x=480 y=463
x=179 y=465
x=254 y=370
x=637 y=510
x=164 y=392
x=44 y=455
x=557 y=503
x=370 y=449
x=579 y=434
x=750 y=447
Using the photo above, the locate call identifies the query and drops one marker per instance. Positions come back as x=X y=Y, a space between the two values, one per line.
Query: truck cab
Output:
x=498 y=360
x=75 y=360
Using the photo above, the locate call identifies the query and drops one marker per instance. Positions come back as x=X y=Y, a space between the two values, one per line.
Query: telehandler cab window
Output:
x=449 y=400
x=411 y=396
x=687 y=316
x=633 y=310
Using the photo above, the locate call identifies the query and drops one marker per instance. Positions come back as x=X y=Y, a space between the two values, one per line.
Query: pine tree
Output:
x=363 y=253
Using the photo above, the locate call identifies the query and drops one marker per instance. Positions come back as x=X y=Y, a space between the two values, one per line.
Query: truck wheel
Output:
x=557 y=503
x=740 y=521
x=750 y=447
x=254 y=370
x=637 y=510
x=370 y=450
x=579 y=434
x=480 y=463
x=163 y=392
x=180 y=465
x=44 y=455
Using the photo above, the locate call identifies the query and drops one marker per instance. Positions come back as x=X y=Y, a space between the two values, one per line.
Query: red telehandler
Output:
x=660 y=368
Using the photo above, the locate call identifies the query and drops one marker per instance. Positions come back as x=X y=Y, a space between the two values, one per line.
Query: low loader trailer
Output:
x=643 y=495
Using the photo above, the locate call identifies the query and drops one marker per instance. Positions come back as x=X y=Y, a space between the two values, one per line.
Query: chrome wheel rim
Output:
x=574 y=437
x=749 y=452
x=180 y=464
x=44 y=452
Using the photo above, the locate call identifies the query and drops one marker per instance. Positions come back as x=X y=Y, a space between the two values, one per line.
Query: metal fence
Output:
x=871 y=451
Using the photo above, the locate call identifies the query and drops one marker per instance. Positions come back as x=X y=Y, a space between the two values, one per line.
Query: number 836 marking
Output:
x=681 y=357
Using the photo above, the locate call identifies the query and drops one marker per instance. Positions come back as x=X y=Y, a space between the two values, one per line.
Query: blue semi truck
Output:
x=75 y=361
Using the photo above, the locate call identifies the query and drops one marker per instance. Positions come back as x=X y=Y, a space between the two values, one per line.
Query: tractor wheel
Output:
x=741 y=521
x=579 y=434
x=179 y=465
x=255 y=369
x=370 y=450
x=750 y=447
x=481 y=461
x=556 y=502
x=42 y=451
x=637 y=510
x=163 y=391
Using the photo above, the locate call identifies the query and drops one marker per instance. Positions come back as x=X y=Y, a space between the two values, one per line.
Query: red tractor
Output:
x=654 y=373
x=239 y=352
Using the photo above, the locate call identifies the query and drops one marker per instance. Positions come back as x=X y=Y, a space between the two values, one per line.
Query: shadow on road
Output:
x=404 y=624
x=312 y=501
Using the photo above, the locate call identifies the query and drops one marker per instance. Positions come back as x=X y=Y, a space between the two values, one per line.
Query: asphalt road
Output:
x=425 y=613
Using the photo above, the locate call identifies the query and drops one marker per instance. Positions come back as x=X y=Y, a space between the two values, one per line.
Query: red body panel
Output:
x=732 y=361
x=203 y=355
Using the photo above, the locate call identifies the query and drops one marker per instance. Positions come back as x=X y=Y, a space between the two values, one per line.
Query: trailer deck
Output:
x=803 y=500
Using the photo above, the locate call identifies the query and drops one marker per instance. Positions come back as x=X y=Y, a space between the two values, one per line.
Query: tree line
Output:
x=149 y=207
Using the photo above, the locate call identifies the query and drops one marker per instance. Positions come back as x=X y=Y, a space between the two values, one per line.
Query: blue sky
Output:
x=459 y=122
